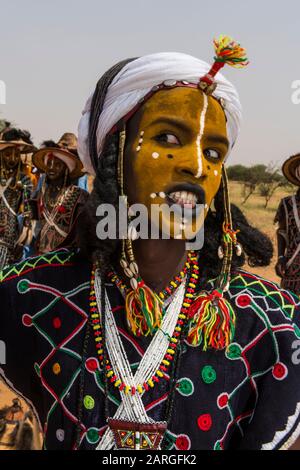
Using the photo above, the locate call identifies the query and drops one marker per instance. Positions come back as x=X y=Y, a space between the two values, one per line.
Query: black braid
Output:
x=97 y=106
x=105 y=191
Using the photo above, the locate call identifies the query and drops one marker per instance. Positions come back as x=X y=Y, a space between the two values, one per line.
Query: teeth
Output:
x=183 y=197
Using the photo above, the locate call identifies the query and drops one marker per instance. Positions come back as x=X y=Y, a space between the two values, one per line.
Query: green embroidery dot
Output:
x=233 y=351
x=297 y=330
x=92 y=435
x=23 y=286
x=89 y=402
x=185 y=387
x=209 y=374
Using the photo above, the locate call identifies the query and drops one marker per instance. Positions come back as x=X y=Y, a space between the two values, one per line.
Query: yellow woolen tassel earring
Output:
x=212 y=316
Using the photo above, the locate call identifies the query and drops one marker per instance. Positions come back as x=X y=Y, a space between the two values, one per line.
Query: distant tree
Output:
x=253 y=178
x=271 y=180
x=266 y=178
x=237 y=173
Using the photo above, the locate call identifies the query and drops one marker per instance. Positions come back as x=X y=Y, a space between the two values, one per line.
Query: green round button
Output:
x=93 y=435
x=233 y=351
x=185 y=387
x=23 y=286
x=209 y=374
x=89 y=402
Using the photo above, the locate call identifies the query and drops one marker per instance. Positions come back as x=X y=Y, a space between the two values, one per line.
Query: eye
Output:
x=167 y=139
x=212 y=154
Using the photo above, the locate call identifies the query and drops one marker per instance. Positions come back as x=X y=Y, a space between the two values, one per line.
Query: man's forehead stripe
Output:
x=200 y=135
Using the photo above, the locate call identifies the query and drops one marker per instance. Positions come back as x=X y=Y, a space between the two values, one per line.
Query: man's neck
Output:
x=159 y=260
x=54 y=186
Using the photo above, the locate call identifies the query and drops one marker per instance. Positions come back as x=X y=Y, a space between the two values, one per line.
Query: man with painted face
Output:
x=57 y=204
x=15 y=190
x=142 y=344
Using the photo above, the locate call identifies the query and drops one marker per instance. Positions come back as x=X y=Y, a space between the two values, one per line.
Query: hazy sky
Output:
x=53 y=52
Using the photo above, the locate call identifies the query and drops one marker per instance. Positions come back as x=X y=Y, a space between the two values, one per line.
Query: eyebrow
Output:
x=214 y=138
x=217 y=139
x=173 y=122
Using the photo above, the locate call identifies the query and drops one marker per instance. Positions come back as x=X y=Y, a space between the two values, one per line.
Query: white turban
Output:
x=136 y=80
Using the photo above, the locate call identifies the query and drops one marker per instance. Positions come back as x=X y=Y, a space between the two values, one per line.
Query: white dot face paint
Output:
x=141 y=141
x=142 y=133
x=153 y=195
x=216 y=172
x=155 y=155
x=138 y=148
x=162 y=195
x=199 y=137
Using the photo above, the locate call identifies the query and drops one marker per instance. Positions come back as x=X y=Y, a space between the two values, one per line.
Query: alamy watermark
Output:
x=296 y=93
x=2 y=92
x=296 y=353
x=163 y=222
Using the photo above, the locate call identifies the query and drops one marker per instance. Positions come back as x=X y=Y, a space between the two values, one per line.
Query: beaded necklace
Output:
x=131 y=427
x=161 y=372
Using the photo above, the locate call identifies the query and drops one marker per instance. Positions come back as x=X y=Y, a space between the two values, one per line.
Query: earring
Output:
x=213 y=318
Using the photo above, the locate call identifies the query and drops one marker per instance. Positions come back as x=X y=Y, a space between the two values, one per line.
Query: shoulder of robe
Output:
x=54 y=259
x=76 y=190
x=248 y=290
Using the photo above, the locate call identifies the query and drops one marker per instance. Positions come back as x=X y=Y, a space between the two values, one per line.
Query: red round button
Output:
x=204 y=422
x=182 y=442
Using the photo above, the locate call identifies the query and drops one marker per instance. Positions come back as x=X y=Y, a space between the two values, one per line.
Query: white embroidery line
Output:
x=279 y=435
x=200 y=135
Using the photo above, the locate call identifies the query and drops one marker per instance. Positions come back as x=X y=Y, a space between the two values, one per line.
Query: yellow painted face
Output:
x=175 y=147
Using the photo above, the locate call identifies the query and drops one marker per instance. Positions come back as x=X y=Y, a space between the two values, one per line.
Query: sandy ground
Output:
x=257 y=215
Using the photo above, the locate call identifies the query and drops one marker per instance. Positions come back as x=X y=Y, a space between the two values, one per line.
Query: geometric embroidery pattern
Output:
x=249 y=292
x=42 y=320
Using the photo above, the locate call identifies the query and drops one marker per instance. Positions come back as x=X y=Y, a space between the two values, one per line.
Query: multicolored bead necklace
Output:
x=161 y=372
